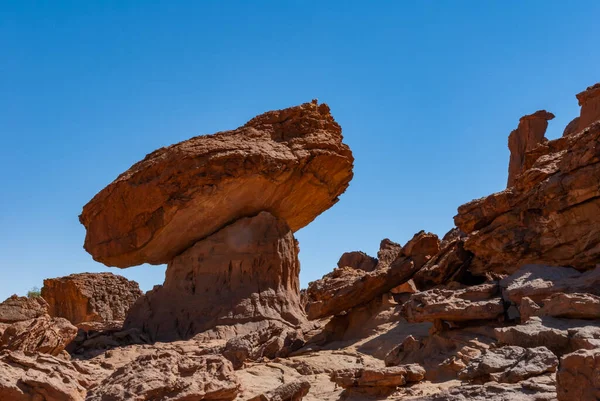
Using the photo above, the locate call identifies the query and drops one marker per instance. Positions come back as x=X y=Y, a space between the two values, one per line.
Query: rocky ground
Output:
x=506 y=306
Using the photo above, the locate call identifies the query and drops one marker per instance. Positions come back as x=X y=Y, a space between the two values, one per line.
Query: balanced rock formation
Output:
x=90 y=297
x=527 y=136
x=221 y=210
x=550 y=213
x=291 y=163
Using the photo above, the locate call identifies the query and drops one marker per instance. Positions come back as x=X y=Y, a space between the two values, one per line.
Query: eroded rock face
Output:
x=550 y=215
x=240 y=279
x=293 y=391
x=291 y=163
x=472 y=303
x=170 y=376
x=572 y=306
x=383 y=377
x=33 y=377
x=510 y=364
x=357 y=260
x=577 y=377
x=43 y=334
x=589 y=100
x=90 y=297
x=16 y=309
x=527 y=136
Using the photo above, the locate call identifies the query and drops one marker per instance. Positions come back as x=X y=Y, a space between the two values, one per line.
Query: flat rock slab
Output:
x=291 y=163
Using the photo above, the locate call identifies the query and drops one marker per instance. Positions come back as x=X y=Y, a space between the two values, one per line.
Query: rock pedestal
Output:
x=238 y=280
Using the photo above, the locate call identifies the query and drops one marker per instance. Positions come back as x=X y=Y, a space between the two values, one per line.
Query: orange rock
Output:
x=589 y=100
x=90 y=297
x=527 y=136
x=291 y=163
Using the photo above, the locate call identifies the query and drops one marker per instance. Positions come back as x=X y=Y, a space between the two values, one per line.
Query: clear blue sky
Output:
x=426 y=92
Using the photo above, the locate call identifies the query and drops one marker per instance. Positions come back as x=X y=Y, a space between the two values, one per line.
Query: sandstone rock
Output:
x=589 y=100
x=291 y=163
x=405 y=288
x=383 y=377
x=572 y=127
x=577 y=377
x=528 y=134
x=170 y=376
x=539 y=282
x=450 y=263
x=471 y=303
x=388 y=252
x=422 y=247
x=293 y=391
x=346 y=288
x=541 y=388
x=271 y=342
x=357 y=260
x=572 y=306
x=37 y=377
x=92 y=343
x=90 y=297
x=43 y=334
x=549 y=216
x=16 y=309
x=240 y=279
x=510 y=364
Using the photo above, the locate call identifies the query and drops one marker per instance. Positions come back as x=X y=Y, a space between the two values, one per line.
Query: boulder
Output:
x=421 y=248
x=538 y=282
x=450 y=263
x=90 y=297
x=388 y=252
x=291 y=163
x=571 y=306
x=577 y=377
x=378 y=377
x=527 y=136
x=357 y=260
x=16 y=309
x=510 y=364
x=43 y=334
x=346 y=288
x=238 y=280
x=292 y=391
x=168 y=375
x=471 y=303
x=36 y=377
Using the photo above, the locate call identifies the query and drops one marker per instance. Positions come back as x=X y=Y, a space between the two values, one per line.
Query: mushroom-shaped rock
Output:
x=291 y=163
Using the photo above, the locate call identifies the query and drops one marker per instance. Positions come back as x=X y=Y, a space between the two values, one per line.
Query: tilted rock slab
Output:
x=240 y=279
x=291 y=163
x=43 y=334
x=90 y=297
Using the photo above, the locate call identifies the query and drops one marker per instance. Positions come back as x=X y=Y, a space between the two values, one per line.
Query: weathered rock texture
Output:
x=358 y=260
x=291 y=163
x=90 y=297
x=170 y=376
x=550 y=216
x=293 y=391
x=383 y=377
x=239 y=279
x=527 y=136
x=589 y=100
x=16 y=309
x=578 y=378
x=43 y=334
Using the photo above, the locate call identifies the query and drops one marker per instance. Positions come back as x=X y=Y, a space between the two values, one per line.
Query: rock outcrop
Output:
x=240 y=279
x=43 y=334
x=527 y=136
x=291 y=163
x=170 y=376
x=90 y=297
x=16 y=309
x=357 y=260
x=383 y=377
x=589 y=100
x=577 y=377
